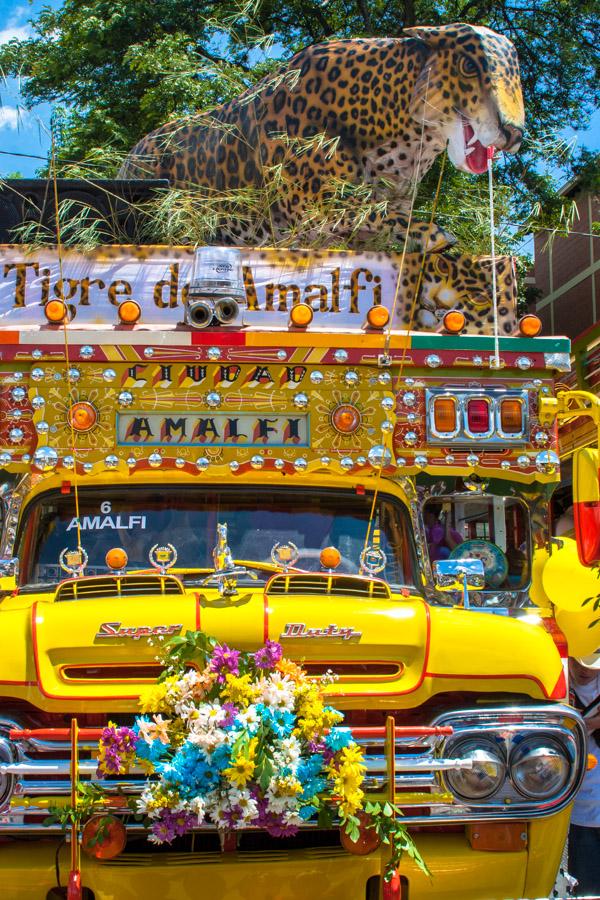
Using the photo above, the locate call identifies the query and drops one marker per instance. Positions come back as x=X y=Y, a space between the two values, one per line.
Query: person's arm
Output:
x=451 y=537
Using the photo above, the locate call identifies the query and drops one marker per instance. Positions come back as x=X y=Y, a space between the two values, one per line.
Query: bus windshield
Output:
x=257 y=518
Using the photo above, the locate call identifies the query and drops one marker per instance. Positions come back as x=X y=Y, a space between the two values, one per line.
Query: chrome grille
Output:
x=96 y=588
x=39 y=769
x=330 y=585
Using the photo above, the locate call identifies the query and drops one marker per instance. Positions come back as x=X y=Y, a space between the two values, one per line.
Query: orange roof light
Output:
x=454 y=321
x=345 y=418
x=330 y=557
x=511 y=416
x=116 y=558
x=56 y=311
x=444 y=415
x=378 y=316
x=301 y=315
x=83 y=416
x=129 y=312
x=530 y=325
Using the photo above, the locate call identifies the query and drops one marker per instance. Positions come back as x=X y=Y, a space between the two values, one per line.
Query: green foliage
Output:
x=193 y=647
x=90 y=798
x=120 y=68
x=386 y=821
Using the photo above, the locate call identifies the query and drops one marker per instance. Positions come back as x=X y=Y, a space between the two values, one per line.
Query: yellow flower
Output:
x=287 y=786
x=239 y=690
x=154 y=699
x=243 y=766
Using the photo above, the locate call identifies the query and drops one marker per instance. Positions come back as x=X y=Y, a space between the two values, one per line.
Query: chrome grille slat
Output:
x=98 y=587
x=330 y=585
x=421 y=763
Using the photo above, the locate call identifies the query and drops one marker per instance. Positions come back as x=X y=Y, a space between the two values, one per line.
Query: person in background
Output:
x=584 y=833
x=441 y=537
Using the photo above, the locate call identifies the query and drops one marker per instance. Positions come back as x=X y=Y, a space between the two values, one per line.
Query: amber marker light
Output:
x=378 y=316
x=129 y=312
x=444 y=415
x=345 y=418
x=103 y=837
x=83 y=416
x=330 y=557
x=530 y=325
x=454 y=321
x=301 y=315
x=56 y=311
x=116 y=558
x=367 y=841
x=511 y=416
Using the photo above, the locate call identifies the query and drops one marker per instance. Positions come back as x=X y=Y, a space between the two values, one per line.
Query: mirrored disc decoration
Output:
x=285 y=555
x=162 y=557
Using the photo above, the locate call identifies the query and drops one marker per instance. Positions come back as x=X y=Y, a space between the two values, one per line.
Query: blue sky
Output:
x=23 y=131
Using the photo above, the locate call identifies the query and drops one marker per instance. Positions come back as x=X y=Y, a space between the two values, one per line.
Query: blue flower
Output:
x=280 y=721
x=307 y=812
x=338 y=738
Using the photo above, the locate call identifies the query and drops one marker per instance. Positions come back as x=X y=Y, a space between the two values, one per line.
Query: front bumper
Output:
x=27 y=871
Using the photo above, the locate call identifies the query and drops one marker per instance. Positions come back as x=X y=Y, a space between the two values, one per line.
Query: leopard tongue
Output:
x=475 y=153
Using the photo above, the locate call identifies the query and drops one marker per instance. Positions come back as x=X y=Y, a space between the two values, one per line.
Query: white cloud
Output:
x=11 y=117
x=21 y=32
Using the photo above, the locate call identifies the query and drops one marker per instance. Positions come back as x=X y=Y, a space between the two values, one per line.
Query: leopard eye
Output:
x=467 y=67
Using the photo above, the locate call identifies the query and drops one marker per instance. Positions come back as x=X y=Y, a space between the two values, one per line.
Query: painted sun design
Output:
x=101 y=436
x=326 y=435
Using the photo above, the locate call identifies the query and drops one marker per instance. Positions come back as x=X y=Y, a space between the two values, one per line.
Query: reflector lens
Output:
x=478 y=416
x=129 y=312
x=116 y=558
x=301 y=315
x=83 y=416
x=56 y=311
x=330 y=557
x=530 y=325
x=378 y=316
x=345 y=418
x=454 y=321
x=444 y=415
x=367 y=841
x=103 y=837
x=511 y=416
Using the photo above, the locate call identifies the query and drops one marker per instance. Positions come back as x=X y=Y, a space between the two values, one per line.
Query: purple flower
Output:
x=224 y=661
x=268 y=656
x=117 y=749
x=163 y=831
x=231 y=711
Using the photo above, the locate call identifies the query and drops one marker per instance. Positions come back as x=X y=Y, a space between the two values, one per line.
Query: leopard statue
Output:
x=358 y=119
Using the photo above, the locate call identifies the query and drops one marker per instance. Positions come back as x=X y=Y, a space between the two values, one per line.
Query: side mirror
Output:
x=586 y=505
x=459 y=575
x=9 y=571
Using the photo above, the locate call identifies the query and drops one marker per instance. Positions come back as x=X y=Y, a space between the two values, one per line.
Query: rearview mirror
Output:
x=586 y=505
x=459 y=575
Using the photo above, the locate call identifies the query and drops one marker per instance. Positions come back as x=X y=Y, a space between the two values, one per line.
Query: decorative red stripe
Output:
x=230 y=339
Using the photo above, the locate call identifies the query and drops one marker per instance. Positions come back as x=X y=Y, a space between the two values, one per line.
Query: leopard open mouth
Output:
x=476 y=154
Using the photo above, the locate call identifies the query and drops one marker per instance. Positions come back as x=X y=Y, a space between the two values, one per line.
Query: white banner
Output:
x=339 y=285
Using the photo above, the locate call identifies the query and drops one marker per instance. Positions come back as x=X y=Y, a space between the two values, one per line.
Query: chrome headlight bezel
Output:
x=557 y=725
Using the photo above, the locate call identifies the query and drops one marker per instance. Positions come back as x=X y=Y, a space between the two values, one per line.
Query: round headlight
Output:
x=485 y=775
x=539 y=767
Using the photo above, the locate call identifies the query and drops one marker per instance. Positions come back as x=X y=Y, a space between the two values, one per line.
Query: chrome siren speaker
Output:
x=199 y=313
x=226 y=310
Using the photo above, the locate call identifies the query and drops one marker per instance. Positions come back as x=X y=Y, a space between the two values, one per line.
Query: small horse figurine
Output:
x=226 y=573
